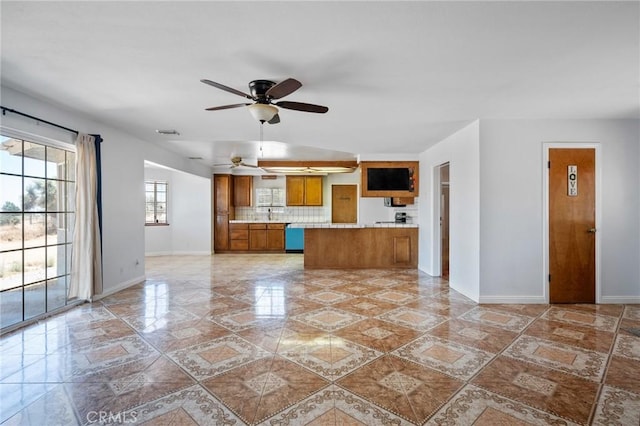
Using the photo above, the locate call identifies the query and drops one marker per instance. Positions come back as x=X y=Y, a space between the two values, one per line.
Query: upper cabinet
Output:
x=242 y=191
x=222 y=192
x=304 y=191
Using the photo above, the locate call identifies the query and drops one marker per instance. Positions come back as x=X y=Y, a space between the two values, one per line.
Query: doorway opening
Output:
x=444 y=220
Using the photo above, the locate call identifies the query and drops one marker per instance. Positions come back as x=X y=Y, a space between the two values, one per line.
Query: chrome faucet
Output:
x=269 y=214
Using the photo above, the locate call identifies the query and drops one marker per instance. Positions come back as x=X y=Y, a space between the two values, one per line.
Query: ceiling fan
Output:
x=263 y=94
x=236 y=161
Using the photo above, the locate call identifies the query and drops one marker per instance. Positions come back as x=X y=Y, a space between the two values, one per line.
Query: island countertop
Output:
x=326 y=225
x=384 y=245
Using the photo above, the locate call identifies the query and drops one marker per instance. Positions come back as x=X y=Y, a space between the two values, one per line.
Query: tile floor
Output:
x=256 y=339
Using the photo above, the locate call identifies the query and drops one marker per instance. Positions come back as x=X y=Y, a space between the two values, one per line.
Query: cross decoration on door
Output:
x=572 y=173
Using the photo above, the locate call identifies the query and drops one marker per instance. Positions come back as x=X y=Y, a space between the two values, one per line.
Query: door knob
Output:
x=592 y=230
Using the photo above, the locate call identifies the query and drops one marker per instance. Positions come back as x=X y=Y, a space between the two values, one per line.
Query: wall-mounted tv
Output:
x=389 y=178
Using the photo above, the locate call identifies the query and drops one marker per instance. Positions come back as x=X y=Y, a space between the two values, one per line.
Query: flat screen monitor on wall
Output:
x=389 y=178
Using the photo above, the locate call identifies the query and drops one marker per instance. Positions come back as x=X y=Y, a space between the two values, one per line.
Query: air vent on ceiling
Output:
x=168 y=132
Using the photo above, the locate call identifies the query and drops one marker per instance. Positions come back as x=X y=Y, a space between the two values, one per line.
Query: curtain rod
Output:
x=5 y=110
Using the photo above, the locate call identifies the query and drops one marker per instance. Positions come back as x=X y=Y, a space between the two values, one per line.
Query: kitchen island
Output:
x=356 y=246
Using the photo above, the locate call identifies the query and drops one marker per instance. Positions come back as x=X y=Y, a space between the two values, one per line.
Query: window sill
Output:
x=156 y=224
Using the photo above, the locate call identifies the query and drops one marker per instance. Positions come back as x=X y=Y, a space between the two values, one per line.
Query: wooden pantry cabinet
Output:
x=223 y=210
x=304 y=191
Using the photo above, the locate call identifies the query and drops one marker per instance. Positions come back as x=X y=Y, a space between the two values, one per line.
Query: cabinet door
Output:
x=222 y=187
x=295 y=190
x=313 y=191
x=257 y=239
x=275 y=236
x=242 y=191
x=275 y=239
x=239 y=245
x=221 y=232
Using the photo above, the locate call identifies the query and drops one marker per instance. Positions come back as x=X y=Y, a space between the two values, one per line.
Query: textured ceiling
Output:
x=396 y=76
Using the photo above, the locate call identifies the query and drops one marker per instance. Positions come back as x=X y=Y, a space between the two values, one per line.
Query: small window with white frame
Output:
x=156 y=202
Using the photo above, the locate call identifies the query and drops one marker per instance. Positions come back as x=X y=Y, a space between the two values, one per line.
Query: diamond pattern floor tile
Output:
x=246 y=339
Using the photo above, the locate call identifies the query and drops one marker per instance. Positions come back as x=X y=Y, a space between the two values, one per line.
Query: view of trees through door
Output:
x=37 y=203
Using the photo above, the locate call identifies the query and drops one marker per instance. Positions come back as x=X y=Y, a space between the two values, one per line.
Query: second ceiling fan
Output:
x=263 y=94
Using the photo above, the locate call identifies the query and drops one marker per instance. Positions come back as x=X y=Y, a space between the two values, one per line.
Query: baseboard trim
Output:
x=620 y=300
x=158 y=253
x=120 y=287
x=513 y=300
x=177 y=253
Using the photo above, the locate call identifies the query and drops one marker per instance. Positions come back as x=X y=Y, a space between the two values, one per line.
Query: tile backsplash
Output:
x=284 y=214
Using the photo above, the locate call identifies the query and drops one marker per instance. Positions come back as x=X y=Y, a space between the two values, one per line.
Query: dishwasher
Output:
x=293 y=240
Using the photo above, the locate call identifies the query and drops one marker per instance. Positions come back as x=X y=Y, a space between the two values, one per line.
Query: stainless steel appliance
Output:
x=401 y=217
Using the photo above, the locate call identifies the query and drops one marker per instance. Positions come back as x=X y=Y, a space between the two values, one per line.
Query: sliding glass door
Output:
x=37 y=203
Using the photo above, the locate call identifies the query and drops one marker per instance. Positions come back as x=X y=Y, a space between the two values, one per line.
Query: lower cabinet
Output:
x=275 y=236
x=221 y=233
x=256 y=236
x=238 y=236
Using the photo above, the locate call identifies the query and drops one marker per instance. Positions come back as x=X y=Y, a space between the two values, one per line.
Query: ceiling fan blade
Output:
x=274 y=120
x=249 y=165
x=226 y=107
x=226 y=88
x=299 y=106
x=283 y=88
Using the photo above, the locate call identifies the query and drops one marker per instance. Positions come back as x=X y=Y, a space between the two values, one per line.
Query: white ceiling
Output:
x=397 y=76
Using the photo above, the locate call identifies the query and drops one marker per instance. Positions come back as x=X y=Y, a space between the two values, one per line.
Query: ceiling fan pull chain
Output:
x=261 y=138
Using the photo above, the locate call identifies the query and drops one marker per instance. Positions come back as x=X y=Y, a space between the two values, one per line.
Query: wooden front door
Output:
x=572 y=221
x=344 y=203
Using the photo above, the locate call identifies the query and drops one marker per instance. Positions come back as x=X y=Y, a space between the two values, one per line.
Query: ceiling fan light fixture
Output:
x=262 y=112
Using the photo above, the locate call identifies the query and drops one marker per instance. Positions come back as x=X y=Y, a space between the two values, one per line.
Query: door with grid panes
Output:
x=37 y=204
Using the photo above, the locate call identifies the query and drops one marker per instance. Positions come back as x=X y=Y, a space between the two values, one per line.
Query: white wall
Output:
x=191 y=205
x=511 y=207
x=461 y=150
x=122 y=180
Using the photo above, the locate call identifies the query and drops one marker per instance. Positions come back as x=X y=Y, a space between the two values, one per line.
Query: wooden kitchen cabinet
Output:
x=304 y=190
x=313 y=190
x=295 y=190
x=257 y=236
x=275 y=236
x=266 y=236
x=223 y=211
x=221 y=232
x=242 y=191
x=239 y=236
x=222 y=190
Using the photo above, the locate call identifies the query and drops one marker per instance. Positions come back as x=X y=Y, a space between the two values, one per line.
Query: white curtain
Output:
x=86 y=258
